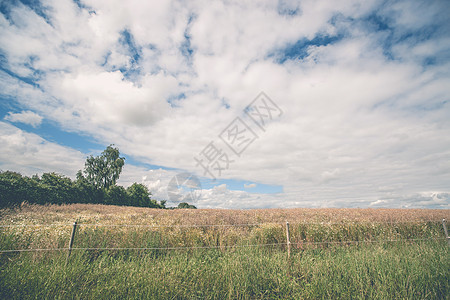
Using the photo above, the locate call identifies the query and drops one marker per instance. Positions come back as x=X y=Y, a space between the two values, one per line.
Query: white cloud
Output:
x=249 y=185
x=156 y=180
x=365 y=116
x=30 y=154
x=26 y=117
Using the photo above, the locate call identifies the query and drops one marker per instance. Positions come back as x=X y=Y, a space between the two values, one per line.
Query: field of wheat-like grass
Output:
x=101 y=226
x=223 y=254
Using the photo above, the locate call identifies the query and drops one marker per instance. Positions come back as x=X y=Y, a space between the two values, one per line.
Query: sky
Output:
x=268 y=103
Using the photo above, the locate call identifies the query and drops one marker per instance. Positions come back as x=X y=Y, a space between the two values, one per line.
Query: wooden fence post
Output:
x=445 y=230
x=288 y=240
x=72 y=239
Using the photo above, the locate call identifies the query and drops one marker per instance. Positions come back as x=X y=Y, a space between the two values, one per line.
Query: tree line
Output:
x=96 y=184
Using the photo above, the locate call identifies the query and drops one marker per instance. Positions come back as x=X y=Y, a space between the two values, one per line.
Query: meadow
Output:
x=223 y=254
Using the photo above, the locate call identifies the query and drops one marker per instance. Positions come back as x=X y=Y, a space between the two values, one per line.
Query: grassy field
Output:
x=336 y=253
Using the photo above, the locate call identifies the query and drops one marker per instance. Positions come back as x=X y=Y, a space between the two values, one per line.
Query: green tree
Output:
x=49 y=188
x=103 y=171
x=13 y=189
x=56 y=188
x=186 y=205
x=138 y=195
x=116 y=195
x=87 y=192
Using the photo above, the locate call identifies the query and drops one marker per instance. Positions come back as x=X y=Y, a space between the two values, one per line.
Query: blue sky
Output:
x=355 y=112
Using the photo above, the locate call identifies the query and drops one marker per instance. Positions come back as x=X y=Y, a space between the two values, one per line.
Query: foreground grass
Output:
x=399 y=254
x=380 y=271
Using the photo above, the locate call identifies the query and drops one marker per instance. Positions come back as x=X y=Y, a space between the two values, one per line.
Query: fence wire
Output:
x=301 y=243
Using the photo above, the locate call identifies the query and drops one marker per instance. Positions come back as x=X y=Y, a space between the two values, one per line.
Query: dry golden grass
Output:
x=170 y=228
x=110 y=214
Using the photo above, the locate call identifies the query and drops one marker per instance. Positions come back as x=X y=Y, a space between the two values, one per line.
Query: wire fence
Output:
x=220 y=247
x=287 y=243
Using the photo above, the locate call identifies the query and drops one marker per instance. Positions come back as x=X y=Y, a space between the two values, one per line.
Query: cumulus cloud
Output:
x=363 y=87
x=30 y=154
x=26 y=117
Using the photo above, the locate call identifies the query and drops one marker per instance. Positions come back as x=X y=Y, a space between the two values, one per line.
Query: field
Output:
x=335 y=253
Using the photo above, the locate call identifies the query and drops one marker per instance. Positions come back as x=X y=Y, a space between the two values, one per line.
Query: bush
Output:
x=186 y=205
x=53 y=188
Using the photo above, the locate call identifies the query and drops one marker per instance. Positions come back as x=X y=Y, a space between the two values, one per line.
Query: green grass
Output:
x=301 y=235
x=373 y=268
x=400 y=270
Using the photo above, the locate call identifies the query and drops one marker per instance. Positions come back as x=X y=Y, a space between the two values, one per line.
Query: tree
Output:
x=87 y=192
x=116 y=195
x=103 y=171
x=55 y=189
x=96 y=184
x=49 y=188
x=186 y=205
x=139 y=195
x=13 y=189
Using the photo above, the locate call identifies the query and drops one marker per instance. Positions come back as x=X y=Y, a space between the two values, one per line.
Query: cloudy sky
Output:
x=355 y=109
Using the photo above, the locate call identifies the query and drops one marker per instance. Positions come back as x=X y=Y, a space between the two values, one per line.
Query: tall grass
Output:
x=382 y=271
x=97 y=226
x=325 y=262
x=302 y=235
